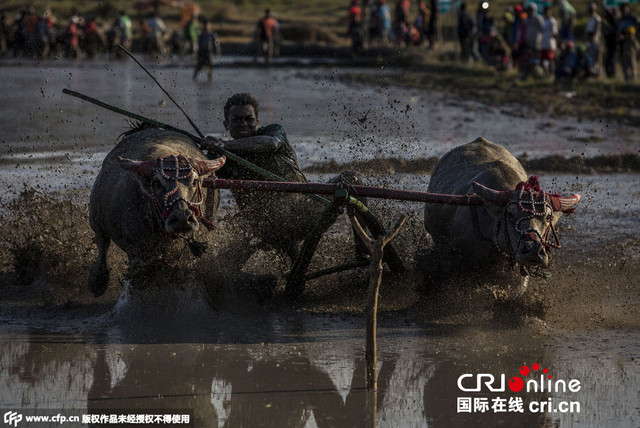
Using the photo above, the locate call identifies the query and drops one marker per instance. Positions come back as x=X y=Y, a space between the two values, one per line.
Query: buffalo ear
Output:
x=141 y=168
x=206 y=167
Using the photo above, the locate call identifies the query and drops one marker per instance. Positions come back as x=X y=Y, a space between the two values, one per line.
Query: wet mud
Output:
x=224 y=342
x=603 y=164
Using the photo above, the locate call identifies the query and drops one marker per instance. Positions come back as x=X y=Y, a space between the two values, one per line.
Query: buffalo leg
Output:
x=99 y=276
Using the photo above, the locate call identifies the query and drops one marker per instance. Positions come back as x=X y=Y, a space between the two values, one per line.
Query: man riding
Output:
x=279 y=220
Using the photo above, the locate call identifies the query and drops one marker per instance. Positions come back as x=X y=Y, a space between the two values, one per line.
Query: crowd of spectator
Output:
x=535 y=42
x=386 y=27
x=538 y=44
x=30 y=34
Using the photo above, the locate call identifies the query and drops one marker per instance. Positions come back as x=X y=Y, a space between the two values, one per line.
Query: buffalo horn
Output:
x=142 y=168
x=497 y=197
x=566 y=203
x=205 y=167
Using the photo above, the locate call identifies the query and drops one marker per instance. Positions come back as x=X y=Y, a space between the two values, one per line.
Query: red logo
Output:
x=516 y=383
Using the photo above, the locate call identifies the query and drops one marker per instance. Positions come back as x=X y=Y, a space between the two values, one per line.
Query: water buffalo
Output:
x=148 y=194
x=516 y=223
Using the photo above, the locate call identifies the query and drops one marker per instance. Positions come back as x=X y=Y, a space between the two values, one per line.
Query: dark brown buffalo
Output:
x=147 y=197
x=515 y=224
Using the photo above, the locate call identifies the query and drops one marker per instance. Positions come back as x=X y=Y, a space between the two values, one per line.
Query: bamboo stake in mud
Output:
x=376 y=248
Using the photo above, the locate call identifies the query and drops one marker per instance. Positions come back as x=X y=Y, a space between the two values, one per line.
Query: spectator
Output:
x=567 y=20
x=466 y=32
x=42 y=38
x=402 y=12
x=432 y=25
x=384 y=12
x=374 y=23
x=519 y=50
x=355 y=26
x=266 y=31
x=534 y=26
x=4 y=35
x=190 y=34
x=548 y=45
x=402 y=35
x=30 y=22
x=157 y=35
x=414 y=37
x=481 y=11
x=498 y=53
x=19 y=34
x=484 y=34
x=515 y=26
x=627 y=19
x=610 y=37
x=145 y=35
x=422 y=21
x=585 y=65
x=72 y=39
x=507 y=26
x=592 y=32
x=208 y=45
x=125 y=29
x=92 y=41
x=566 y=61
x=629 y=51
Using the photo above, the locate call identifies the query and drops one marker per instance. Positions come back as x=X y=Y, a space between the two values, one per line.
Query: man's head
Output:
x=532 y=8
x=547 y=12
x=241 y=115
x=592 y=8
x=624 y=8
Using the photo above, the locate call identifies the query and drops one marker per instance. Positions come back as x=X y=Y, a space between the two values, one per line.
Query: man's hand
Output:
x=209 y=143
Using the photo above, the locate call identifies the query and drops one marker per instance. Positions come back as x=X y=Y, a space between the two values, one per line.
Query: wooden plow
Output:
x=343 y=196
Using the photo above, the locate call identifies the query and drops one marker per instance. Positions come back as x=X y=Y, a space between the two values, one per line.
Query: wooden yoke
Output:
x=376 y=249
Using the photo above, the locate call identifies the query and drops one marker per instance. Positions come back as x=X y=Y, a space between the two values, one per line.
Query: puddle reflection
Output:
x=315 y=382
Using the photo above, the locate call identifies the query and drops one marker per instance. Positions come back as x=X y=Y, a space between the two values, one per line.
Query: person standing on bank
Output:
x=208 y=44
x=279 y=220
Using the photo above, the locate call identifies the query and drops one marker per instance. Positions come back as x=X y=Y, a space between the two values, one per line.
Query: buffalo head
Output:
x=175 y=185
x=524 y=220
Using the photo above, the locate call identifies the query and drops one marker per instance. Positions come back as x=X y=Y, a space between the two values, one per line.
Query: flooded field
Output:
x=251 y=361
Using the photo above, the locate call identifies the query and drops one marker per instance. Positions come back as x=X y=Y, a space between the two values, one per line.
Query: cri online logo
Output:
x=12 y=418
x=517 y=383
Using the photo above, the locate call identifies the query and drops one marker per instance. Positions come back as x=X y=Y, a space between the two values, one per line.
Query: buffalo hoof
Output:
x=99 y=279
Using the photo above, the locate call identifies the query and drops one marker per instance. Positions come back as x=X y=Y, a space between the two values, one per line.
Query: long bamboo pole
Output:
x=356 y=191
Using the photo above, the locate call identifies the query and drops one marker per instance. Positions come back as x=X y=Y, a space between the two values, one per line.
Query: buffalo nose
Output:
x=534 y=251
x=181 y=222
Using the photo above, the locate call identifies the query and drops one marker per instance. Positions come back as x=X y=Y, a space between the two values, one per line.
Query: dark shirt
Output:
x=466 y=25
x=283 y=162
x=206 y=44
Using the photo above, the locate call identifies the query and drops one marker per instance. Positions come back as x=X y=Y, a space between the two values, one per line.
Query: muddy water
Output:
x=250 y=365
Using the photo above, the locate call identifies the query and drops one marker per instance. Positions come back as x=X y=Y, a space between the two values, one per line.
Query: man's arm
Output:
x=255 y=144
